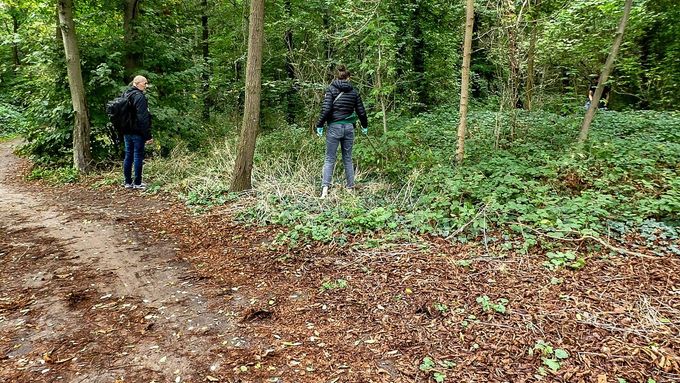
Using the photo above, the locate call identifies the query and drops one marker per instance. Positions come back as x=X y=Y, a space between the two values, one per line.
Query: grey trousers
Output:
x=342 y=135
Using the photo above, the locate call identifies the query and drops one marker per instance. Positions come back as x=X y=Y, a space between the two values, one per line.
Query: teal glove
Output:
x=319 y=131
x=364 y=131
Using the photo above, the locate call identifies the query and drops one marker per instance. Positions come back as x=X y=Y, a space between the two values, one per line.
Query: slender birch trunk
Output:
x=609 y=64
x=465 y=80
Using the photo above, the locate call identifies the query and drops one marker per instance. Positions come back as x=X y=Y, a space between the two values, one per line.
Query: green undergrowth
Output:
x=624 y=179
x=54 y=176
x=10 y=121
x=522 y=174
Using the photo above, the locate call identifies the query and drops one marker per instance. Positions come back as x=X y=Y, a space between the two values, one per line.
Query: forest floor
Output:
x=103 y=284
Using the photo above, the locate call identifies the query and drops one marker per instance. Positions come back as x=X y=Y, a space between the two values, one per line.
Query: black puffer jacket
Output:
x=349 y=102
x=141 y=123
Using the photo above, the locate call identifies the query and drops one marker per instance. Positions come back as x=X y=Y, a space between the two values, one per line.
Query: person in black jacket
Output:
x=341 y=107
x=138 y=134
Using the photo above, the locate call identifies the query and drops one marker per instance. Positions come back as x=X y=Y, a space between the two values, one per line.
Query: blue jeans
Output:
x=343 y=135
x=134 y=153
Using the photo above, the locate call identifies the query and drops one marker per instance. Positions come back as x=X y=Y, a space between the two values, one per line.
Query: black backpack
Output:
x=120 y=111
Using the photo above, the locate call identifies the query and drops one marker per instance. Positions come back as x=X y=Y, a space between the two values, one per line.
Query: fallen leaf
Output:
x=602 y=378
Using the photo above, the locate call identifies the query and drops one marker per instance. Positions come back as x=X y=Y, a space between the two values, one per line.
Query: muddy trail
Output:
x=103 y=284
x=90 y=295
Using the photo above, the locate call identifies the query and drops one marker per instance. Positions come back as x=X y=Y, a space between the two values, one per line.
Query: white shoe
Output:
x=324 y=192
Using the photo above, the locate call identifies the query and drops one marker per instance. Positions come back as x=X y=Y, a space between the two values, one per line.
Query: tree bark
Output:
x=418 y=59
x=609 y=64
x=378 y=85
x=290 y=68
x=132 y=54
x=465 y=80
x=15 y=45
x=81 y=130
x=251 y=114
x=205 y=77
x=529 y=89
x=328 y=46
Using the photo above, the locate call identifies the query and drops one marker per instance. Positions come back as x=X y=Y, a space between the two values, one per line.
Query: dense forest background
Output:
x=533 y=62
x=405 y=57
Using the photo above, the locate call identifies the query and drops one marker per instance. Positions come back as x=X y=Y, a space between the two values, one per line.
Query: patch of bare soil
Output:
x=108 y=284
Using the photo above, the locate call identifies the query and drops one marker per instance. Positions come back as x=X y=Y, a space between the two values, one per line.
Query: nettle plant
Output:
x=338 y=284
x=552 y=358
x=558 y=259
x=487 y=305
x=436 y=369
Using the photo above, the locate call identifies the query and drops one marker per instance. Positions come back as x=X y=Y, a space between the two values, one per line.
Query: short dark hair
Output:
x=342 y=73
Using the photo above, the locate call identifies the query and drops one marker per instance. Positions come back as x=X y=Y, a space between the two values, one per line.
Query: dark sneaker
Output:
x=141 y=186
x=127 y=186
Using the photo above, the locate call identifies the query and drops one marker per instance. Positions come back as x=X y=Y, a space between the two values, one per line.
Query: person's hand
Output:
x=149 y=141
x=364 y=131
x=319 y=131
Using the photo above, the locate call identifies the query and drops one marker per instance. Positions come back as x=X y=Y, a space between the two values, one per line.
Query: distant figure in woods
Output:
x=604 y=99
x=138 y=134
x=341 y=107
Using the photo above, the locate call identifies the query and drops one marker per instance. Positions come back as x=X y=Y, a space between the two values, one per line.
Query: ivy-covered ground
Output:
x=557 y=265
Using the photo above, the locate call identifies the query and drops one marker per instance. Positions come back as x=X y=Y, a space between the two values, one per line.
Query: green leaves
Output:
x=487 y=305
x=552 y=364
x=338 y=284
x=551 y=358
x=561 y=354
x=436 y=369
x=559 y=259
x=427 y=364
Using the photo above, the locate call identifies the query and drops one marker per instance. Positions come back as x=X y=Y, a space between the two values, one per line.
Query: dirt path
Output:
x=85 y=297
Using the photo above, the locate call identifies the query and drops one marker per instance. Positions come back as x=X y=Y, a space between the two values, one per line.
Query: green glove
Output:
x=319 y=131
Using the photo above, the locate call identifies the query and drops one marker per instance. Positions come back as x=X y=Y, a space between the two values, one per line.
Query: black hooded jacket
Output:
x=141 y=124
x=349 y=102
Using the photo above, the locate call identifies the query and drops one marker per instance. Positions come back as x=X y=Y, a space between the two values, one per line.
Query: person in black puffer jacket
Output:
x=341 y=107
x=138 y=134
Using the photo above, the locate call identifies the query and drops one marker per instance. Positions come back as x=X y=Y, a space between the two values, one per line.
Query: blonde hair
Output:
x=139 y=79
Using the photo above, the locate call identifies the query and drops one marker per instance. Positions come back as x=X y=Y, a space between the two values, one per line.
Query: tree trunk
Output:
x=529 y=89
x=328 y=46
x=61 y=77
x=590 y=114
x=378 y=85
x=58 y=38
x=418 y=59
x=290 y=69
x=465 y=80
x=205 y=77
x=251 y=114
x=81 y=130
x=15 y=45
x=132 y=53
